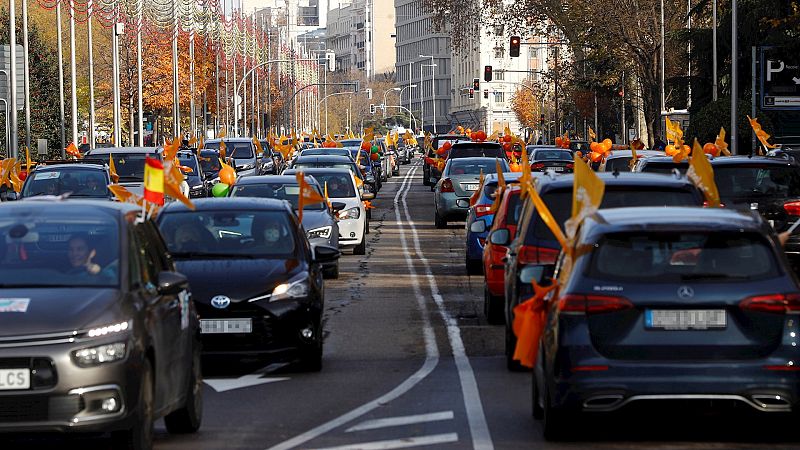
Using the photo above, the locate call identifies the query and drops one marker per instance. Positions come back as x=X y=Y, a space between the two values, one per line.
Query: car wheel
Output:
x=331 y=272
x=474 y=267
x=426 y=179
x=189 y=418
x=361 y=249
x=493 y=308
x=311 y=354
x=555 y=421
x=438 y=221
x=140 y=435
x=511 y=344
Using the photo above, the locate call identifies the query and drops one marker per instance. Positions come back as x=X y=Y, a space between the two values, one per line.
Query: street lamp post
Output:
x=433 y=86
x=433 y=68
x=410 y=86
x=384 y=98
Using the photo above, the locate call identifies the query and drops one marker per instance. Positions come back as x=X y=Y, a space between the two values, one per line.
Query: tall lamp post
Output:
x=433 y=85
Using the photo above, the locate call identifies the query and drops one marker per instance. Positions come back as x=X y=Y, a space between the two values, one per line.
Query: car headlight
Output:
x=246 y=166
x=322 y=232
x=109 y=329
x=198 y=188
x=106 y=353
x=352 y=213
x=296 y=289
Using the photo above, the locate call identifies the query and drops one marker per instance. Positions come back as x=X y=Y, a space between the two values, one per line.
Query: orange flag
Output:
x=477 y=194
x=307 y=196
x=112 y=169
x=530 y=317
x=501 y=187
x=72 y=150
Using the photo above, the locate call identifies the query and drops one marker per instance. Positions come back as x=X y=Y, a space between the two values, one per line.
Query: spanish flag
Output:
x=307 y=196
x=154 y=181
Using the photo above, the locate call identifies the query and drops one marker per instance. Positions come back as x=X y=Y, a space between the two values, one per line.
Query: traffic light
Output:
x=515 y=43
x=476 y=83
x=471 y=94
x=486 y=93
x=372 y=108
x=487 y=74
x=541 y=119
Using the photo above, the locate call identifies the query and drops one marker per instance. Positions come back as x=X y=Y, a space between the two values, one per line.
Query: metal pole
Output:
x=433 y=85
x=91 y=72
x=421 y=99
x=139 y=72
x=192 y=115
x=624 y=122
x=176 y=96
x=60 y=80
x=115 y=73
x=27 y=78
x=663 y=95
x=689 y=25
x=235 y=98
x=714 y=50
x=734 y=77
x=753 y=90
x=216 y=93
x=410 y=90
x=227 y=103
x=555 y=82
x=73 y=80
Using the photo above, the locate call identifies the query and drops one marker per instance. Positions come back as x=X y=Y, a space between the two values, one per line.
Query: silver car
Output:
x=460 y=179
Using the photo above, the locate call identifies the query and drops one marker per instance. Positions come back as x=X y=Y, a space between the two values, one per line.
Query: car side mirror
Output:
x=542 y=274
x=500 y=236
x=338 y=206
x=260 y=155
x=324 y=254
x=11 y=196
x=171 y=283
x=478 y=226
x=367 y=196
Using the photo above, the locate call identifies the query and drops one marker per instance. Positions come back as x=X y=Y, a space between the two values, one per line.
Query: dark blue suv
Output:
x=670 y=304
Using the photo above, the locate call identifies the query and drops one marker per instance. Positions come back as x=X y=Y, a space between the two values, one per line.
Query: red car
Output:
x=494 y=286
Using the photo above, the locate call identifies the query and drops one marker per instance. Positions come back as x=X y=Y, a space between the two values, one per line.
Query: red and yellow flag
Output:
x=307 y=196
x=154 y=181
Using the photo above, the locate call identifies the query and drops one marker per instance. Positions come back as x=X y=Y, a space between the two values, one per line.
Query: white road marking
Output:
x=431 y=349
x=229 y=384
x=400 y=443
x=400 y=421
x=479 y=429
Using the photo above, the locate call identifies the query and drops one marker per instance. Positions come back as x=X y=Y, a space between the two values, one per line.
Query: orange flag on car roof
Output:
x=473 y=199
x=702 y=175
x=307 y=196
x=73 y=151
x=501 y=187
x=112 y=169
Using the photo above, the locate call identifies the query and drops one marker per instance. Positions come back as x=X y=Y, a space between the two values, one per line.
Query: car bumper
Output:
x=475 y=244
x=351 y=232
x=450 y=206
x=330 y=242
x=73 y=402
x=276 y=327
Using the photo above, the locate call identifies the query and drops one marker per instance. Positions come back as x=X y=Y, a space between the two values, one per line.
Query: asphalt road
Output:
x=409 y=361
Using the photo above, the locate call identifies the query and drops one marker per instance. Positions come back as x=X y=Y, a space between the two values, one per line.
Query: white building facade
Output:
x=361 y=34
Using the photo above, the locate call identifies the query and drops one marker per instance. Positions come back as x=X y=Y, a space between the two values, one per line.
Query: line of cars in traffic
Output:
x=106 y=315
x=667 y=301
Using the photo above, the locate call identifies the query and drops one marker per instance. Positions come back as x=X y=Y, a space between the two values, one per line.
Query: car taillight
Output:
x=592 y=304
x=773 y=303
x=570 y=166
x=537 y=255
x=482 y=210
x=537 y=166
x=705 y=204
x=447 y=186
x=792 y=208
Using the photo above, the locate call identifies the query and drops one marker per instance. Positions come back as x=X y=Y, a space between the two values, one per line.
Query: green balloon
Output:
x=220 y=190
x=375 y=149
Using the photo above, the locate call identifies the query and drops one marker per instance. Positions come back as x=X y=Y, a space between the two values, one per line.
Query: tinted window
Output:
x=514 y=209
x=210 y=163
x=675 y=257
x=560 y=204
x=280 y=191
x=544 y=155
x=473 y=167
x=49 y=249
x=130 y=166
x=621 y=164
x=311 y=165
x=190 y=162
x=665 y=167
x=81 y=182
x=741 y=183
x=261 y=233
x=241 y=150
x=339 y=185
x=477 y=150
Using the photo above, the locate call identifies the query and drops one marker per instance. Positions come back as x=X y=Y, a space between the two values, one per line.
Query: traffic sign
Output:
x=5 y=70
x=780 y=79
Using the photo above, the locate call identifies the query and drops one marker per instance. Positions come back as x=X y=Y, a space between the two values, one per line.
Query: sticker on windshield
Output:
x=49 y=175
x=14 y=305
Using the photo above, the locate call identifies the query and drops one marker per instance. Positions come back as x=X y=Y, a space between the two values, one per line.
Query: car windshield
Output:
x=339 y=185
x=674 y=257
x=235 y=150
x=742 y=183
x=280 y=191
x=229 y=233
x=210 y=163
x=190 y=162
x=130 y=166
x=619 y=164
x=79 y=182
x=560 y=203
x=323 y=165
x=549 y=155
x=48 y=249
x=473 y=167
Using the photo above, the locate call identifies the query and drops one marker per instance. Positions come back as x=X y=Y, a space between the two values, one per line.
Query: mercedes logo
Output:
x=220 y=302
x=685 y=292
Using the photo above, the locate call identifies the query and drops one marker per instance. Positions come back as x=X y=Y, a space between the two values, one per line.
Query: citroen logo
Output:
x=685 y=292
x=220 y=302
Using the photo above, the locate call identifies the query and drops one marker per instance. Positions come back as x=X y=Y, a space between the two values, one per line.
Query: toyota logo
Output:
x=220 y=302
x=685 y=292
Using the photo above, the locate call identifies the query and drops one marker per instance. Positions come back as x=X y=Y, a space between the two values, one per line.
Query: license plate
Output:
x=15 y=379
x=471 y=187
x=557 y=169
x=685 y=319
x=220 y=326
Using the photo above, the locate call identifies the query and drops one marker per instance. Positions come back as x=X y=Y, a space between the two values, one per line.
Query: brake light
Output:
x=537 y=255
x=447 y=186
x=589 y=368
x=792 y=208
x=570 y=166
x=705 y=204
x=785 y=368
x=537 y=166
x=592 y=304
x=482 y=210
x=773 y=303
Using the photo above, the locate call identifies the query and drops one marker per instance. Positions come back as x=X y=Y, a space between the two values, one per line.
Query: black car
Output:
x=79 y=180
x=129 y=162
x=554 y=159
x=620 y=160
x=243 y=153
x=661 y=164
x=256 y=281
x=98 y=332
x=535 y=244
x=431 y=175
x=688 y=307
x=209 y=164
x=199 y=185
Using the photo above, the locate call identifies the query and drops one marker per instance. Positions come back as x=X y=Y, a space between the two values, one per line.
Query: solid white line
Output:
x=399 y=443
x=431 y=359
x=479 y=429
x=400 y=421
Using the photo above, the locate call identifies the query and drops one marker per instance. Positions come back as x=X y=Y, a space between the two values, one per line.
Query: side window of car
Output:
x=135 y=262
x=160 y=247
x=152 y=260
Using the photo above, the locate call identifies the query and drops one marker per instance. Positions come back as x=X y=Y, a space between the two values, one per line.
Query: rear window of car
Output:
x=742 y=183
x=560 y=204
x=473 y=166
x=716 y=256
x=280 y=191
x=665 y=167
x=477 y=150
x=514 y=209
x=549 y=155
x=620 y=164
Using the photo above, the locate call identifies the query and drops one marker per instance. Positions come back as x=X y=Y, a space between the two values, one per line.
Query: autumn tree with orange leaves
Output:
x=526 y=107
